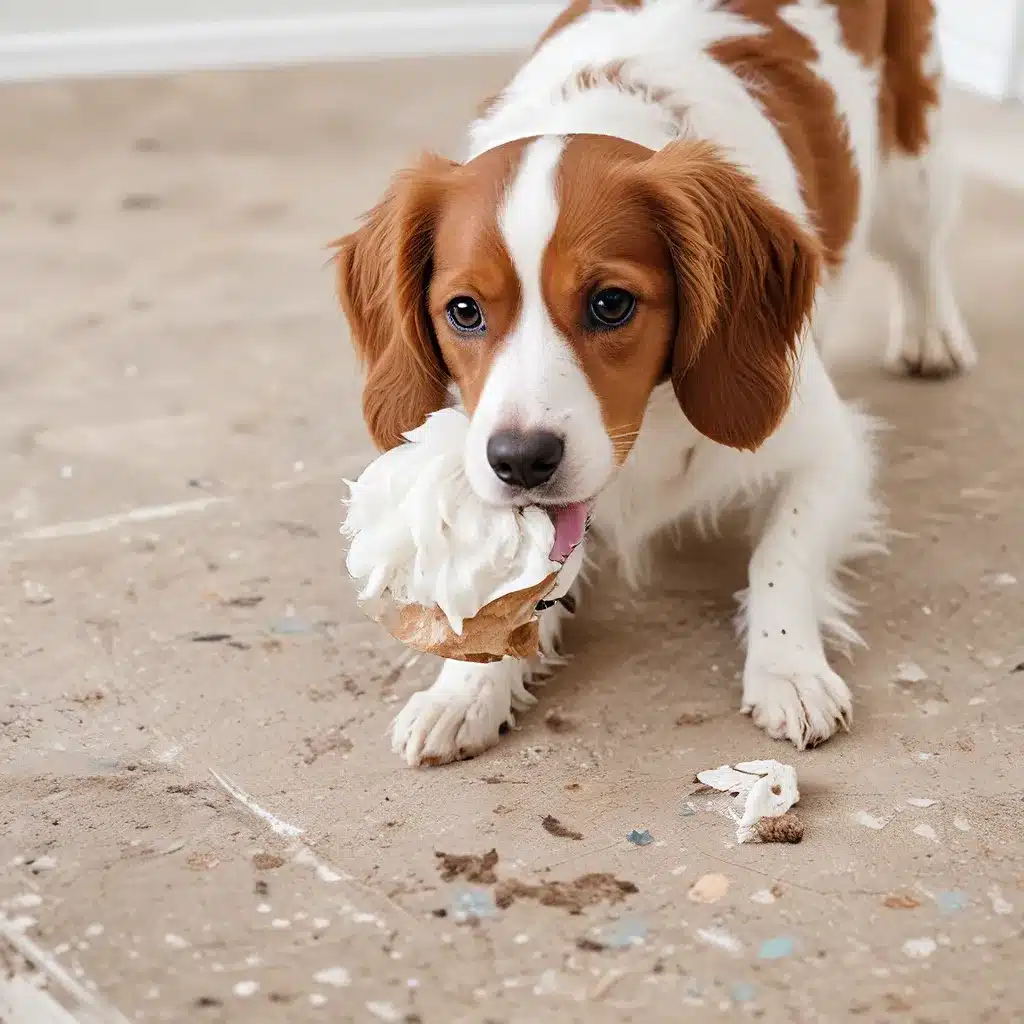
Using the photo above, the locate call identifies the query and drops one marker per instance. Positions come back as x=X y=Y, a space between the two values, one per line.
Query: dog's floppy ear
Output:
x=383 y=275
x=746 y=276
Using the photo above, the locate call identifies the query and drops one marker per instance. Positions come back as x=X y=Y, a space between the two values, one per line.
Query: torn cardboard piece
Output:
x=761 y=790
x=506 y=628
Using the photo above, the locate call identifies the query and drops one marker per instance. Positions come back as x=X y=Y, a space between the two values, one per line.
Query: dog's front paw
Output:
x=460 y=716
x=805 y=704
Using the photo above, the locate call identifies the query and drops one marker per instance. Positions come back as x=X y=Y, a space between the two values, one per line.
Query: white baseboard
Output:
x=161 y=48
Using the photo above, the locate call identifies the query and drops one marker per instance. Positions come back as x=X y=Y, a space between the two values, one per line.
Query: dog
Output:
x=626 y=285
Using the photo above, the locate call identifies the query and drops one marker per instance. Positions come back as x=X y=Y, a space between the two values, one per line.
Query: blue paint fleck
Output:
x=742 y=992
x=638 y=838
x=687 y=810
x=777 y=948
x=473 y=903
x=631 y=932
x=950 y=902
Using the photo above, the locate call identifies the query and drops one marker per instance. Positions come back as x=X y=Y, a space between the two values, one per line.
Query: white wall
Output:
x=70 y=15
x=40 y=38
x=980 y=43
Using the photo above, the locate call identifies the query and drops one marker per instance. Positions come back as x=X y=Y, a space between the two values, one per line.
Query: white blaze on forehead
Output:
x=530 y=211
x=535 y=381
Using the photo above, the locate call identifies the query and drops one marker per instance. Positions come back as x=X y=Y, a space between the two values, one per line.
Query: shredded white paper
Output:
x=763 y=789
x=419 y=532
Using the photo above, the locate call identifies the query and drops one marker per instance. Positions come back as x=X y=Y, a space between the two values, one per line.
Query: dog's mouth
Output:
x=570 y=522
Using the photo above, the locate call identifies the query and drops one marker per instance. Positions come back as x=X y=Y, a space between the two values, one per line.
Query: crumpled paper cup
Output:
x=508 y=627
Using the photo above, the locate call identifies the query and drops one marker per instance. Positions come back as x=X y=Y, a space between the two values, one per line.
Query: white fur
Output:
x=535 y=381
x=809 y=486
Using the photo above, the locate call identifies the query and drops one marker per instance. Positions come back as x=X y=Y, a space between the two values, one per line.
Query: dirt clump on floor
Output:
x=472 y=867
x=585 y=891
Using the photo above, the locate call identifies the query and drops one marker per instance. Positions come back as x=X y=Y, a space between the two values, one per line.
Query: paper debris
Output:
x=762 y=789
x=918 y=801
x=336 y=977
x=720 y=939
x=869 y=820
x=708 y=889
x=910 y=672
x=1000 y=905
x=920 y=949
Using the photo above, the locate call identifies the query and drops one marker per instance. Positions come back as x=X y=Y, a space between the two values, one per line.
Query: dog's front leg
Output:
x=462 y=713
x=822 y=513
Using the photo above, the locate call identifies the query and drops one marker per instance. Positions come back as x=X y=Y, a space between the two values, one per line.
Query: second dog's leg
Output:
x=916 y=205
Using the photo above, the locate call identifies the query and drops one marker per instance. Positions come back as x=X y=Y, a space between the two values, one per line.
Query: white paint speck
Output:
x=263 y=908
x=25 y=901
x=317 y=999
x=920 y=949
x=336 y=977
x=922 y=801
x=869 y=820
x=280 y=922
x=176 y=941
x=67 y=472
x=763 y=896
x=521 y=939
x=321 y=922
x=926 y=832
x=94 y=931
x=1004 y=579
x=244 y=989
x=975 y=702
x=910 y=672
x=720 y=939
x=1000 y=905
x=253 y=960
x=384 y=1011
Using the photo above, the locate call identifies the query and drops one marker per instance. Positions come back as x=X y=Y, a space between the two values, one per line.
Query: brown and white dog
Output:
x=625 y=285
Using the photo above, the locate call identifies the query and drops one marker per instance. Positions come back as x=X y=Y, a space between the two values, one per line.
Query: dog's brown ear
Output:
x=746 y=276
x=383 y=275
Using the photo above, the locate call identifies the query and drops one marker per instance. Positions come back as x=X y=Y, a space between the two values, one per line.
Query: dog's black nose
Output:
x=525 y=458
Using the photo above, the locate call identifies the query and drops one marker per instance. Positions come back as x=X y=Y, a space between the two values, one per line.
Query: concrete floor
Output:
x=179 y=407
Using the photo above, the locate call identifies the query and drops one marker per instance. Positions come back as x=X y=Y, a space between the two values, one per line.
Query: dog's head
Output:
x=556 y=283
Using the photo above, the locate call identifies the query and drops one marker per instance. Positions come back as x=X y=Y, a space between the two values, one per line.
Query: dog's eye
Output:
x=611 y=307
x=464 y=314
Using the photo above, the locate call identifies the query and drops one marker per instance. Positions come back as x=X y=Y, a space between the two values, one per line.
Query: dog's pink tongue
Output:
x=570 y=523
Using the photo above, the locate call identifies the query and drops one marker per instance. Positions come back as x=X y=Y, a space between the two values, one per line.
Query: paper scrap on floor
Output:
x=762 y=789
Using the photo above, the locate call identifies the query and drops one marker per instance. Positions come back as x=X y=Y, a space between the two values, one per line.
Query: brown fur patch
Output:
x=909 y=92
x=777 y=68
x=746 y=276
x=724 y=284
x=435 y=228
x=604 y=238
